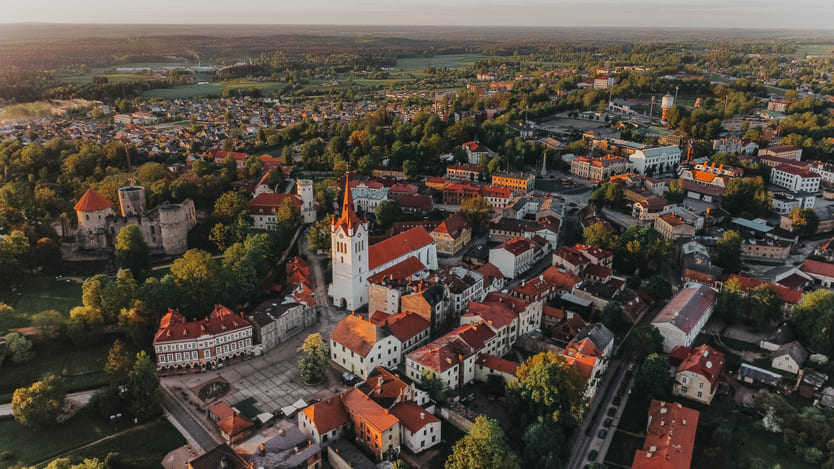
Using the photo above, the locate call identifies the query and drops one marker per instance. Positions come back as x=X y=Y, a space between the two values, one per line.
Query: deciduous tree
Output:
x=143 y=386
x=477 y=211
x=652 y=379
x=313 y=359
x=40 y=404
x=132 y=252
x=483 y=448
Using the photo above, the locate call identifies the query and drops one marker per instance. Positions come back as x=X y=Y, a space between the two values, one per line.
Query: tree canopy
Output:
x=39 y=404
x=483 y=448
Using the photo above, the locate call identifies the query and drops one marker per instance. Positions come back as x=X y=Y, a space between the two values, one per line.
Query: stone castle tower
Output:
x=304 y=189
x=349 y=247
x=132 y=200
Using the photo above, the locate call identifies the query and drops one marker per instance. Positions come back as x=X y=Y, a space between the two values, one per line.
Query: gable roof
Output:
x=383 y=387
x=412 y=416
x=372 y=413
x=406 y=325
x=92 y=201
x=812 y=267
x=705 y=361
x=235 y=425
x=498 y=364
x=687 y=307
x=454 y=226
x=174 y=326
x=399 y=271
x=398 y=246
x=326 y=415
x=357 y=334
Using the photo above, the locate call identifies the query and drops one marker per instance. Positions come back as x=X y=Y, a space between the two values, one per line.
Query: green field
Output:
x=418 y=64
x=822 y=50
x=145 y=445
x=81 y=366
x=142 y=447
x=39 y=294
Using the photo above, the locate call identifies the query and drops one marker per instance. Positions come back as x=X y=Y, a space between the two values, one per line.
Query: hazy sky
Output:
x=795 y=14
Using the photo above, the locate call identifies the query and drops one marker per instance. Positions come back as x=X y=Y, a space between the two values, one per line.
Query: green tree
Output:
x=659 y=288
x=731 y=301
x=132 y=252
x=230 y=206
x=197 y=275
x=119 y=362
x=748 y=197
x=143 y=386
x=17 y=347
x=433 y=385
x=254 y=165
x=548 y=386
x=39 y=404
x=478 y=212
x=676 y=194
x=313 y=359
x=609 y=194
x=643 y=341
x=728 y=250
x=288 y=215
x=598 y=235
x=387 y=212
x=612 y=314
x=652 y=379
x=49 y=323
x=318 y=235
x=410 y=169
x=814 y=321
x=804 y=221
x=137 y=324
x=483 y=448
x=544 y=444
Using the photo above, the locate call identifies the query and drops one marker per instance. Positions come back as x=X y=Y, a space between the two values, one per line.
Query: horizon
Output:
x=805 y=15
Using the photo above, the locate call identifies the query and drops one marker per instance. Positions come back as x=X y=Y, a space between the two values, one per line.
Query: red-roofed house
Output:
x=452 y=235
x=376 y=428
x=789 y=296
x=263 y=207
x=670 y=437
x=821 y=272
x=516 y=256
x=419 y=429
x=451 y=358
x=358 y=346
x=236 y=428
x=182 y=345
x=324 y=420
x=487 y=365
x=682 y=319
x=698 y=374
x=474 y=151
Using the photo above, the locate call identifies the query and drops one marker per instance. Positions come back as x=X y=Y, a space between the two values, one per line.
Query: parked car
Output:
x=612 y=411
x=592 y=456
x=607 y=423
x=617 y=400
x=602 y=433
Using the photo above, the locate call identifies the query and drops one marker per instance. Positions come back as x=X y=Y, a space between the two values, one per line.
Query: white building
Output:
x=682 y=319
x=354 y=261
x=366 y=199
x=358 y=346
x=795 y=179
x=656 y=160
x=516 y=256
x=419 y=429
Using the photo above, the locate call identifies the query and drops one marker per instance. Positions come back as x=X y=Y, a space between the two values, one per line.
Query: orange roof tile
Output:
x=399 y=271
x=498 y=364
x=92 y=201
x=356 y=334
x=235 y=425
x=670 y=438
x=397 y=246
x=327 y=415
x=360 y=405
x=705 y=361
x=412 y=416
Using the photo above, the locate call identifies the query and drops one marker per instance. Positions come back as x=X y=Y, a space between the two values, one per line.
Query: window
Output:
x=700 y=394
x=683 y=380
x=684 y=389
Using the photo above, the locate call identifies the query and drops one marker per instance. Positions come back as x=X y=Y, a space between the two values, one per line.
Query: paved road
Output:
x=195 y=431
x=80 y=398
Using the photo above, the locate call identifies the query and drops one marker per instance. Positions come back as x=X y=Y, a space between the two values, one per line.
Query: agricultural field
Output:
x=418 y=64
x=821 y=50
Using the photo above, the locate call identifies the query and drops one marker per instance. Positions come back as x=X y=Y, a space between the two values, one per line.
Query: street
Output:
x=194 y=431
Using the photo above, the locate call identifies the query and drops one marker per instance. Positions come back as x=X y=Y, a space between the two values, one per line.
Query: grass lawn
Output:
x=82 y=367
x=418 y=64
x=142 y=447
x=35 y=446
x=451 y=435
x=36 y=295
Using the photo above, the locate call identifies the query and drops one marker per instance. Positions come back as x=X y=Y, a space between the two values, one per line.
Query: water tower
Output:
x=666 y=104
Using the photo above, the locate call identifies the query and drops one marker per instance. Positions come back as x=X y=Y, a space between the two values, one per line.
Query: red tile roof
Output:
x=475 y=335
x=418 y=201
x=222 y=411
x=399 y=271
x=442 y=354
x=235 y=425
x=670 y=438
x=788 y=295
x=382 y=384
x=687 y=307
x=475 y=147
x=705 y=361
x=791 y=169
x=563 y=279
x=412 y=416
x=454 y=226
x=266 y=203
x=367 y=410
x=356 y=334
x=495 y=315
x=398 y=246
x=174 y=325
x=327 y=415
x=517 y=246
x=497 y=364
x=584 y=364
x=571 y=256
x=91 y=201
x=406 y=325
x=813 y=267
x=553 y=312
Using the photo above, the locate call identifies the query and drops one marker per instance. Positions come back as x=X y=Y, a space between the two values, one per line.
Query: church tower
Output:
x=349 y=247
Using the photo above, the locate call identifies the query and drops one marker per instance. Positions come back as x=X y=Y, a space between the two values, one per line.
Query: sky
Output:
x=745 y=14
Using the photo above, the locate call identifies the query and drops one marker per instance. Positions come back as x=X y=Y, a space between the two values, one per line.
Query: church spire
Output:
x=348 y=220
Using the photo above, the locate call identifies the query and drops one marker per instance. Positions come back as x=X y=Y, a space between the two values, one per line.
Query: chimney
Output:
x=261 y=447
x=283 y=433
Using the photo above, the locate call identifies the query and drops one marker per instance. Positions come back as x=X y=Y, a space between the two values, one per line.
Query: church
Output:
x=354 y=262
